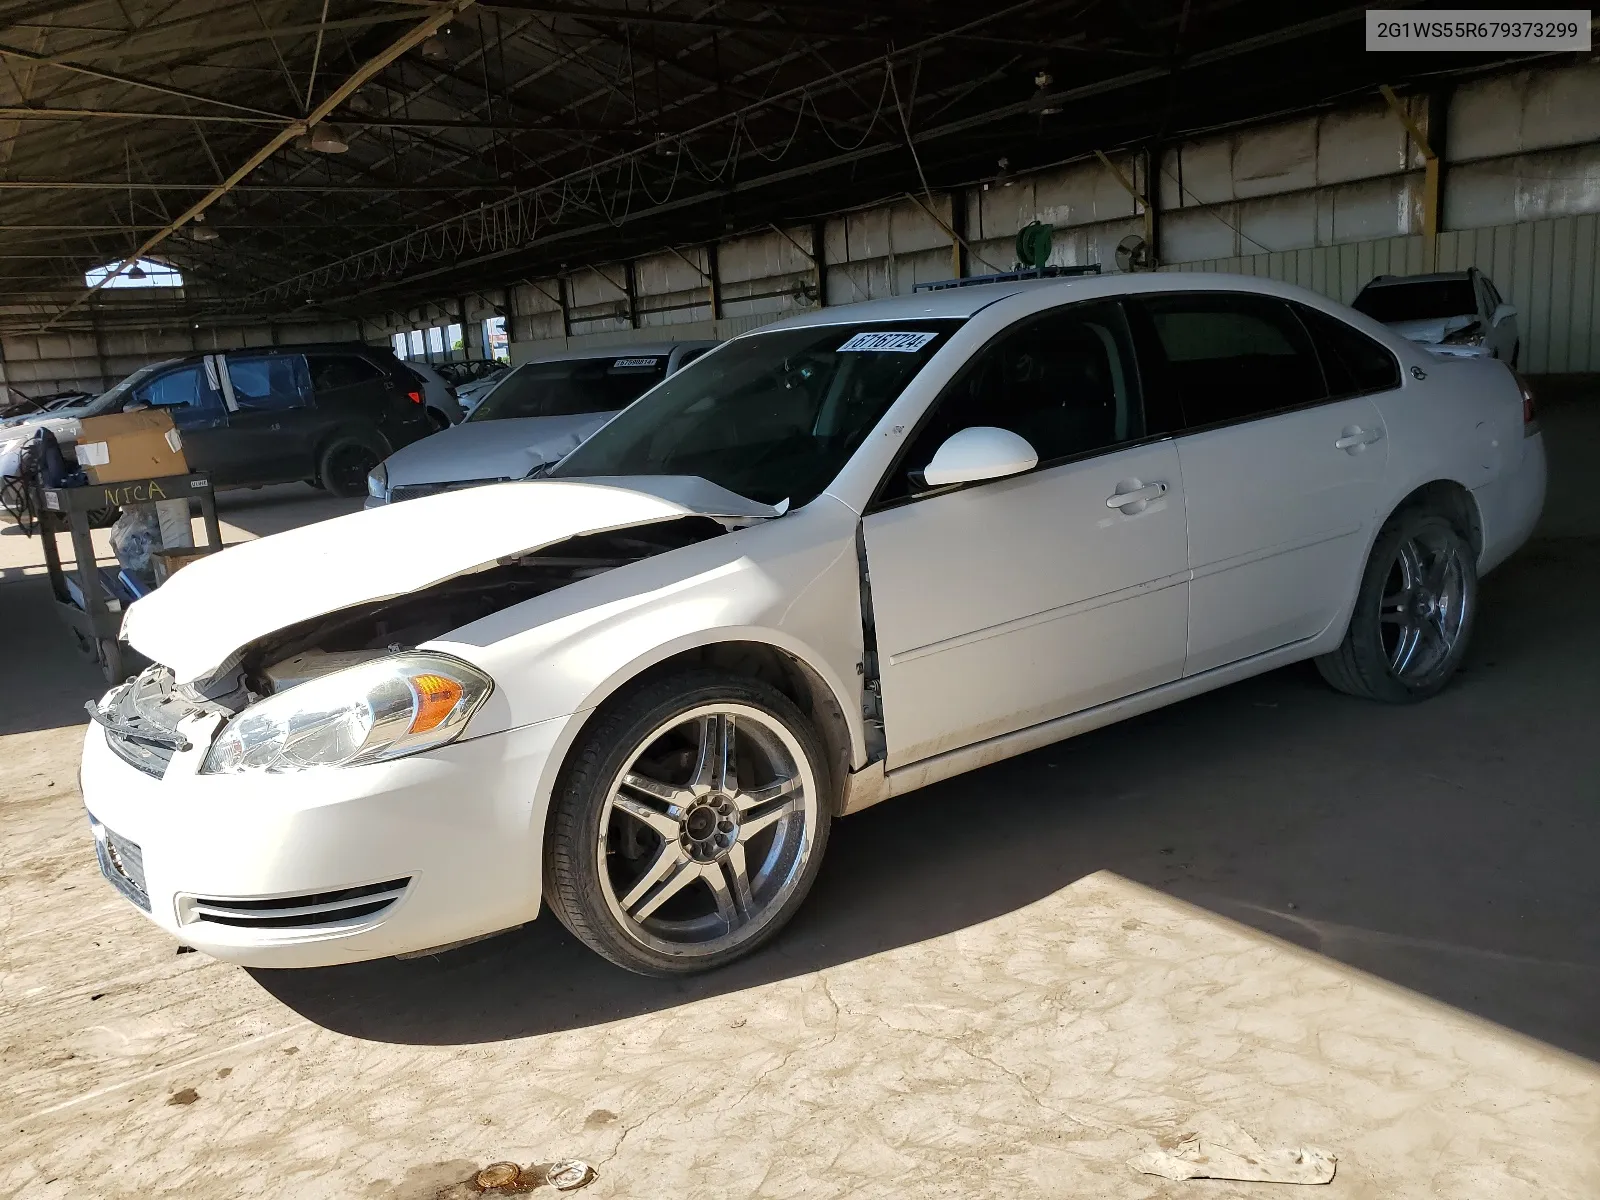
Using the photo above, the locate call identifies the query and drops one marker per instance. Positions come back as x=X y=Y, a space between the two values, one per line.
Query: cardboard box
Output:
x=133 y=445
x=166 y=563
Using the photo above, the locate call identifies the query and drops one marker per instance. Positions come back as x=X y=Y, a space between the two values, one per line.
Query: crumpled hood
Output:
x=1432 y=331
x=217 y=605
x=507 y=449
x=66 y=429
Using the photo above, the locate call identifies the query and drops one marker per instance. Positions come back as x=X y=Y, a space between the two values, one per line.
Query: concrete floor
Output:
x=1364 y=929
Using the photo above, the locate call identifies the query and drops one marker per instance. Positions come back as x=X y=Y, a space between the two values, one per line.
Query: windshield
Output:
x=771 y=416
x=571 y=386
x=1425 y=300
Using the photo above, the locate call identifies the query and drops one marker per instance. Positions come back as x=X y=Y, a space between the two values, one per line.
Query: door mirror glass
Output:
x=979 y=452
x=1502 y=312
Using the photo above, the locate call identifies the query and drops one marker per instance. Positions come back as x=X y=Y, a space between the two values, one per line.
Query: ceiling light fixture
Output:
x=1042 y=83
x=322 y=139
x=135 y=272
x=436 y=48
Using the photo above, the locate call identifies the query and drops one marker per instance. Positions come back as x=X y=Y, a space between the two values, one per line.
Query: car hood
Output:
x=507 y=449
x=198 y=621
x=65 y=428
x=1433 y=330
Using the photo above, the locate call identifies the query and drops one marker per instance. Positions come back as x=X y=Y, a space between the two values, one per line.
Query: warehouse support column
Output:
x=958 y=234
x=819 y=260
x=714 y=281
x=1431 y=192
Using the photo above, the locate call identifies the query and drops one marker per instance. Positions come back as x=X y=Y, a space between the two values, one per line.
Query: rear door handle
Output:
x=1150 y=491
x=1355 y=436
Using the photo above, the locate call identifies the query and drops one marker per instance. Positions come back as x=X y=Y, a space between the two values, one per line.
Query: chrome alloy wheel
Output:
x=1424 y=606
x=706 y=832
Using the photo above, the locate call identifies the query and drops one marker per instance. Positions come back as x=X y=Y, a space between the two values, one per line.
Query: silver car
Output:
x=1458 y=314
x=535 y=414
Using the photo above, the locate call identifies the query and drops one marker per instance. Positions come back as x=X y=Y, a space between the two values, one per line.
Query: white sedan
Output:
x=833 y=561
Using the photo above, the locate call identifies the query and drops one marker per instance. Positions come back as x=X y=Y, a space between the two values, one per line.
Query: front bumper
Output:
x=335 y=865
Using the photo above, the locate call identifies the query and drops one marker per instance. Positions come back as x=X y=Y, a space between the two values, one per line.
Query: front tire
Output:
x=689 y=824
x=344 y=466
x=1413 y=615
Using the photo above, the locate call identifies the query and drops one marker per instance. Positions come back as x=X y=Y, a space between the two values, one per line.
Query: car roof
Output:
x=1435 y=277
x=962 y=302
x=639 y=350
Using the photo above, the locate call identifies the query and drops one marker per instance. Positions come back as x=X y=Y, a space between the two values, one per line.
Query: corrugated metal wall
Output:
x=1549 y=269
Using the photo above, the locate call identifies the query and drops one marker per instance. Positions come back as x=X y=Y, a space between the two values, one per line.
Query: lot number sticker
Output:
x=894 y=343
x=633 y=362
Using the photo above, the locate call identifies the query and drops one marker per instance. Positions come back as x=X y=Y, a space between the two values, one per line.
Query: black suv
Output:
x=325 y=413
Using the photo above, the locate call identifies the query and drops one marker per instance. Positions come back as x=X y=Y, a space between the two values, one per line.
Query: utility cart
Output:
x=86 y=596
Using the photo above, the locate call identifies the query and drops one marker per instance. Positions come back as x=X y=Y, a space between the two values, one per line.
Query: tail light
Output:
x=414 y=397
x=1530 y=416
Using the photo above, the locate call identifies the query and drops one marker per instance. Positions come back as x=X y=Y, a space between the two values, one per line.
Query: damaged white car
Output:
x=833 y=561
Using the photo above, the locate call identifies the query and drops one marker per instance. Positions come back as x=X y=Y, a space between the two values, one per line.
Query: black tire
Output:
x=438 y=420
x=104 y=518
x=615 y=742
x=1419 y=589
x=344 y=466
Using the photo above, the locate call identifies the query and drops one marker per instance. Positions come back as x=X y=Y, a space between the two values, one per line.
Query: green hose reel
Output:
x=1034 y=242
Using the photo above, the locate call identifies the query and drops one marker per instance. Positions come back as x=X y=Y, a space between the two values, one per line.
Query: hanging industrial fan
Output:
x=804 y=293
x=1134 y=254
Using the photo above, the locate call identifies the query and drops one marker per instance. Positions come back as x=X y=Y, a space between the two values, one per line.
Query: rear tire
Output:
x=712 y=844
x=438 y=420
x=344 y=467
x=1413 y=615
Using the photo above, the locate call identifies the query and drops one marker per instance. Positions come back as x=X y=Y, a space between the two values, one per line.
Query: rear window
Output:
x=572 y=386
x=1425 y=300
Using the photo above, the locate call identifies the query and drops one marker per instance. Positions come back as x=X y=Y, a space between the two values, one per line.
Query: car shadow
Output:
x=47 y=678
x=1446 y=846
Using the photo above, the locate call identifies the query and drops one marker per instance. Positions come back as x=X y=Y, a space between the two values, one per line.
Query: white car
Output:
x=835 y=560
x=536 y=414
x=438 y=393
x=1455 y=314
x=471 y=394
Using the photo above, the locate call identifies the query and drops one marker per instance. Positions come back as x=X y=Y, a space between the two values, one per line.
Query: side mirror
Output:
x=979 y=452
x=1501 y=313
x=135 y=406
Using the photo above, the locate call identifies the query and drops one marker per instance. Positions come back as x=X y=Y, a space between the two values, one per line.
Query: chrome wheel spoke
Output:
x=680 y=873
x=756 y=797
x=662 y=823
x=666 y=793
x=666 y=859
x=714 y=768
x=1405 y=648
x=763 y=817
x=729 y=882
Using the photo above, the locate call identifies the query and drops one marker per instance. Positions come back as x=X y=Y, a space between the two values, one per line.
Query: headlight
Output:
x=379 y=710
x=378 y=482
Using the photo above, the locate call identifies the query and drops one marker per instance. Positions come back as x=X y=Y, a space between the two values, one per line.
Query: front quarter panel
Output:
x=792 y=583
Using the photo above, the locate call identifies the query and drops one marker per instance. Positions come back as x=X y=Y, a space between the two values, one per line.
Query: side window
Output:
x=688 y=356
x=1354 y=363
x=1232 y=356
x=268 y=382
x=186 y=387
x=329 y=371
x=1063 y=380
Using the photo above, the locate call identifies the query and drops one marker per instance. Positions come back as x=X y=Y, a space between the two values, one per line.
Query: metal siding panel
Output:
x=1504 y=256
x=1581 y=345
x=1522 y=287
x=1560 y=295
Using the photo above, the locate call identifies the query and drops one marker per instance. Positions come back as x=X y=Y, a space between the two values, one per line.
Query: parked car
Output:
x=471 y=394
x=438 y=393
x=325 y=413
x=538 y=413
x=461 y=372
x=837 y=559
x=1457 y=313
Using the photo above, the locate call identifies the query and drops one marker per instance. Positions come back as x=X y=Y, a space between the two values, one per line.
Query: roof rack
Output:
x=1008 y=277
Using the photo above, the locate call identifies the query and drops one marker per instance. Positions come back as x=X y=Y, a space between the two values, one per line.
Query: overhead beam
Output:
x=363 y=73
x=128 y=81
x=123 y=185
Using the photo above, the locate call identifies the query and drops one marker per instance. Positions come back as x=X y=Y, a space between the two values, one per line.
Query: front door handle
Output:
x=1137 y=495
x=1354 y=437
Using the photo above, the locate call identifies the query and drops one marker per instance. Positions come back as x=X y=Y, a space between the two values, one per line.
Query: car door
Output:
x=269 y=400
x=1280 y=473
x=1002 y=604
x=1501 y=334
x=189 y=393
